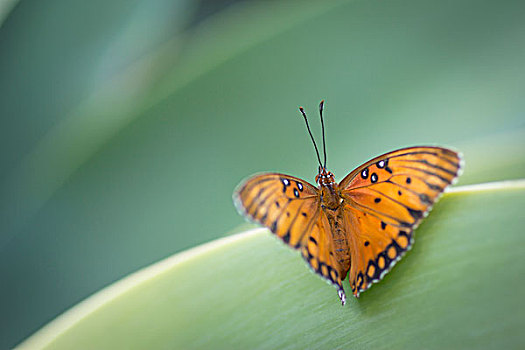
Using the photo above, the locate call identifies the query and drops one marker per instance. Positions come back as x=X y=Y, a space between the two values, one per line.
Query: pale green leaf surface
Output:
x=460 y=286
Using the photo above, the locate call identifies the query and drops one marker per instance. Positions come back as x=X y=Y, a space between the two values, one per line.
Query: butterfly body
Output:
x=332 y=204
x=359 y=227
x=341 y=248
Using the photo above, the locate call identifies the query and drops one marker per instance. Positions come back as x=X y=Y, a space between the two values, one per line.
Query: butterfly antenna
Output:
x=308 y=127
x=321 y=105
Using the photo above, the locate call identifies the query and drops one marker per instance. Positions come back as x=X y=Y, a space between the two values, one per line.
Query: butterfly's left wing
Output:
x=384 y=201
x=290 y=208
x=287 y=205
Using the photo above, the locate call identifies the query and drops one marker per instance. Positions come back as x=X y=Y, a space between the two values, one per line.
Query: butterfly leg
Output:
x=342 y=296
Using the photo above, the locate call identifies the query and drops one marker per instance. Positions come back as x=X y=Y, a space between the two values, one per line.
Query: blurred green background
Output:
x=125 y=125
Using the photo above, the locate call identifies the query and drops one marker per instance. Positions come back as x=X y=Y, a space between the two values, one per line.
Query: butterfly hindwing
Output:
x=318 y=251
x=288 y=206
x=385 y=199
x=374 y=248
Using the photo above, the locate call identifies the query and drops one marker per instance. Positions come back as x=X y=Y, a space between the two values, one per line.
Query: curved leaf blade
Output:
x=459 y=287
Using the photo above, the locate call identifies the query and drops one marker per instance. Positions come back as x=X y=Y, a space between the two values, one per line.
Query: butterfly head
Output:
x=324 y=178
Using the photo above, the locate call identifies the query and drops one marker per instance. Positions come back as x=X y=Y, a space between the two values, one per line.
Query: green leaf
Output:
x=461 y=286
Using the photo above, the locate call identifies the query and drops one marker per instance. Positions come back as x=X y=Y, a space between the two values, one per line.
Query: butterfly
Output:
x=358 y=227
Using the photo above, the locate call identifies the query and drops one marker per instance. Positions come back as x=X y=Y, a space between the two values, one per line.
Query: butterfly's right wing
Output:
x=288 y=206
x=384 y=201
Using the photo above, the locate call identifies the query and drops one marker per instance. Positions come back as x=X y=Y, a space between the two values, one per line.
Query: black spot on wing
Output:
x=286 y=183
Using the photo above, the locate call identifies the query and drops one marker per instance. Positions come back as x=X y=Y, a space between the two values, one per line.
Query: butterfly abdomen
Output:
x=341 y=248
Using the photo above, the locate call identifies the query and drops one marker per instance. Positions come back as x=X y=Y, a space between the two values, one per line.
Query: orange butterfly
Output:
x=361 y=226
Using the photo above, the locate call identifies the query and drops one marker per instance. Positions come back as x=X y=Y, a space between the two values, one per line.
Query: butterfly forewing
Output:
x=436 y=166
x=385 y=199
x=288 y=206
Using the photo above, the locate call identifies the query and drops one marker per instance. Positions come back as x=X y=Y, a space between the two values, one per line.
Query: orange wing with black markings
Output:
x=384 y=201
x=288 y=206
x=318 y=251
